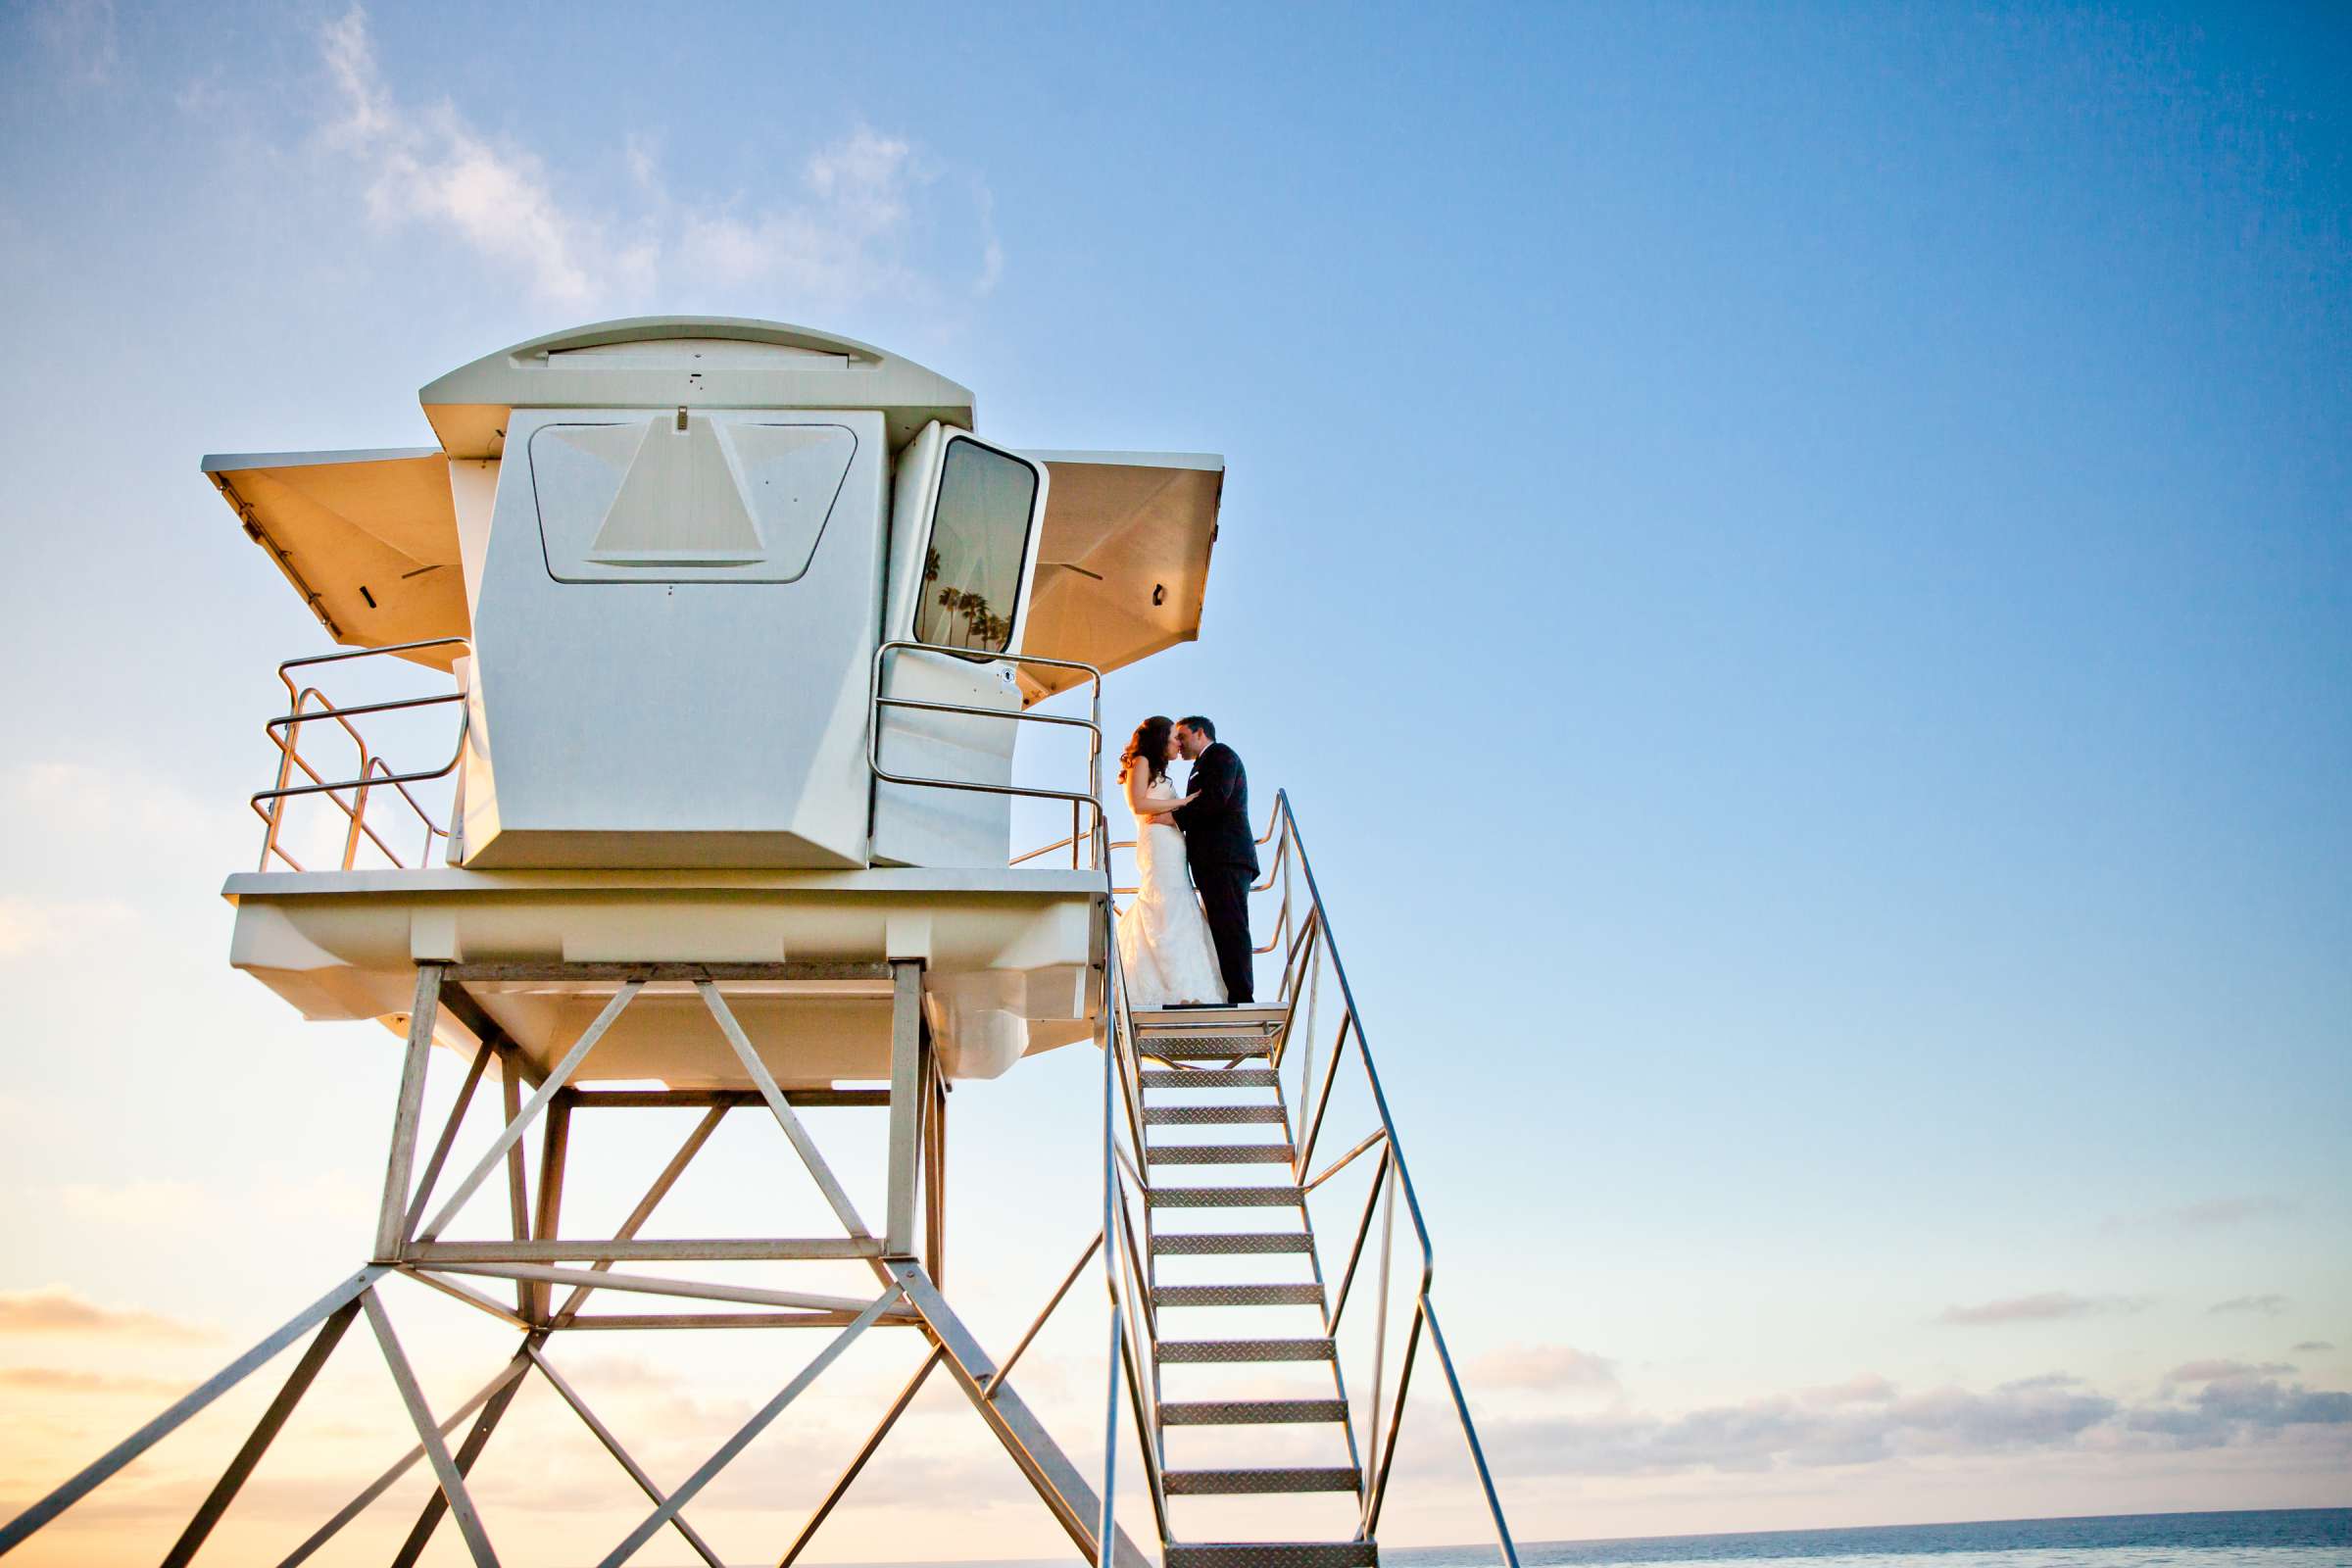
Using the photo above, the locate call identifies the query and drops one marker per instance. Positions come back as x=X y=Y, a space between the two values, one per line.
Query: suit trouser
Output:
x=1225 y=898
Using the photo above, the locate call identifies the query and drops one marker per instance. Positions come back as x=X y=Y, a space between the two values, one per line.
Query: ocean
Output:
x=2271 y=1538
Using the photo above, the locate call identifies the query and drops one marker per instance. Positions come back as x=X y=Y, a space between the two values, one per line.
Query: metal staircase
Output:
x=1197 y=1118
x=1212 y=1076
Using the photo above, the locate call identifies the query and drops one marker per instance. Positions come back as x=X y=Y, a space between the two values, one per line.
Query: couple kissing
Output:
x=1176 y=949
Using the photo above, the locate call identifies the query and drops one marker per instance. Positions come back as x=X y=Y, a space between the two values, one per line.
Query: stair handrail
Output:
x=1394 y=1177
x=1123 y=1272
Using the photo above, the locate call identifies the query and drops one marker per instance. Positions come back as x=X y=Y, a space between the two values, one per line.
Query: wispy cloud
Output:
x=2214 y=1371
x=2312 y=1347
x=137 y=1203
x=2212 y=1213
x=429 y=165
x=2041 y=1381
x=31 y=926
x=54 y=1309
x=2041 y=1307
x=1866 y=1388
x=2267 y=1305
x=846 y=228
x=1545 y=1367
x=80 y=38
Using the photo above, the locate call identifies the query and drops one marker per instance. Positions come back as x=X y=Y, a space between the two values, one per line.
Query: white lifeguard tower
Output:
x=735 y=624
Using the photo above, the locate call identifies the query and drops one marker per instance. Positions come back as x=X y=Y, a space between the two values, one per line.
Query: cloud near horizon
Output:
x=2048 y=1414
x=2041 y=1307
x=2267 y=1305
x=54 y=1309
x=1545 y=1366
x=846 y=228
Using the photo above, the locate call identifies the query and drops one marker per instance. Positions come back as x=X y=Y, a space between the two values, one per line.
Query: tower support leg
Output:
x=909 y=1082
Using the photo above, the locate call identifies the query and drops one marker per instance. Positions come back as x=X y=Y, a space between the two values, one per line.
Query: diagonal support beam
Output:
x=767 y=1082
x=448 y=1137
x=644 y=1210
x=890 y=1418
x=428 y=1433
x=518 y=1125
x=147 y=1436
x=750 y=1429
x=604 y=1434
x=1057 y=1481
x=428 y=1518
x=399 y=1467
x=265 y=1432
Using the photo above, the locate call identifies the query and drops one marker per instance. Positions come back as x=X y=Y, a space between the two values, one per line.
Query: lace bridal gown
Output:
x=1164 y=949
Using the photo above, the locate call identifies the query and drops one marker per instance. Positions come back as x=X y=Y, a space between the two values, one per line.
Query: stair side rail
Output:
x=1306 y=945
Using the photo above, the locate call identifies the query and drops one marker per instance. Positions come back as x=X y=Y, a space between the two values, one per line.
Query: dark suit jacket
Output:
x=1217 y=826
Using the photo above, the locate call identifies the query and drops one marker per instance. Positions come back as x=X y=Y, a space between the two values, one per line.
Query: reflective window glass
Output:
x=979 y=534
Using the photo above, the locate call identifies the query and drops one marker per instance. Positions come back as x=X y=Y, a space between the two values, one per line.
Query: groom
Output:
x=1223 y=854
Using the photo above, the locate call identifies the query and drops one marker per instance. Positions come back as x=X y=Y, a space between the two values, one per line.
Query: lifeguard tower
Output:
x=734 y=626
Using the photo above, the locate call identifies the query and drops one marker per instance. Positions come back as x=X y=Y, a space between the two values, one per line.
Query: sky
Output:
x=1794 y=562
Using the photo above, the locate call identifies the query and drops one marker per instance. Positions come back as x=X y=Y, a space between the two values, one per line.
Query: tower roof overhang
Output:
x=369 y=539
x=1122 y=568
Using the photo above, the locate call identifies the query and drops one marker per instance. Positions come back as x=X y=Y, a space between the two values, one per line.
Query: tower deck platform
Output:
x=1007 y=957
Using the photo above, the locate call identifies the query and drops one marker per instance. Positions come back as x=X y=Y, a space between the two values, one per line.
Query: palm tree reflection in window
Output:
x=982 y=627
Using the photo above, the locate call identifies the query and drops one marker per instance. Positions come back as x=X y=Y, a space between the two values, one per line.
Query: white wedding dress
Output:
x=1165 y=951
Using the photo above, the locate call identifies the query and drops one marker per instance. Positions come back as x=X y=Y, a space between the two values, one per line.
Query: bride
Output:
x=1164 y=949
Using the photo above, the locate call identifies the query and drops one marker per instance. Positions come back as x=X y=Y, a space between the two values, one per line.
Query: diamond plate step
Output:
x=1204 y=1353
x=1276 y=1554
x=1209 y=1078
x=1215 y=1244
x=1220 y=1154
x=1210 y=1116
x=1150 y=1018
x=1308 y=1294
x=1191 y=1048
x=1227 y=1483
x=1225 y=1197
x=1250 y=1412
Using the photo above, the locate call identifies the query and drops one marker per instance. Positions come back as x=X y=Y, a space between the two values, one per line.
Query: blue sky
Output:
x=1794 y=561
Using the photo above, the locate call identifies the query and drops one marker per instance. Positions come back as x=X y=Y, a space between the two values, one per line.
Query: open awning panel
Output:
x=1123 y=566
x=369 y=538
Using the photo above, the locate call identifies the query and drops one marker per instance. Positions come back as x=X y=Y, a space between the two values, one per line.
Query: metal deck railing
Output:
x=307 y=704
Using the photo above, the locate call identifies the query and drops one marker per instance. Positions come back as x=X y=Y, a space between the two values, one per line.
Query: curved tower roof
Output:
x=686 y=362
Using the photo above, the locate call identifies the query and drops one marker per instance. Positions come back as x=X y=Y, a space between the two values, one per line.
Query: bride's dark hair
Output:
x=1149 y=745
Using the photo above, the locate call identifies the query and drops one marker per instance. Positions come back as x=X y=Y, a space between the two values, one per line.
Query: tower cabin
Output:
x=737 y=623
